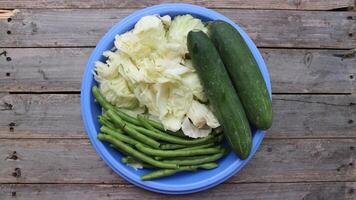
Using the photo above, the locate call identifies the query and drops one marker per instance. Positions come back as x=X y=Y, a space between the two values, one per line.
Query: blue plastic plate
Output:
x=181 y=183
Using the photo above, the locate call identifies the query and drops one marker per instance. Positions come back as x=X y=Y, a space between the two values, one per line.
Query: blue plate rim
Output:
x=87 y=111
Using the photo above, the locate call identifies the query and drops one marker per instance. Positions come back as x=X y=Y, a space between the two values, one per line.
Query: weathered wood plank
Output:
x=255 y=4
x=296 y=116
x=33 y=116
x=75 y=161
x=291 y=70
x=42 y=69
x=251 y=191
x=268 y=28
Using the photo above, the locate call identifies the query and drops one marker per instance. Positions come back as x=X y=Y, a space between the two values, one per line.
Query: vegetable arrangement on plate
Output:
x=168 y=90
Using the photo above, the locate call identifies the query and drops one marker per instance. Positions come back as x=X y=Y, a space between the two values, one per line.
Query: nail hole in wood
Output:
x=7 y=73
x=13 y=156
x=349 y=17
x=11 y=129
x=269 y=149
x=350 y=121
x=351 y=104
x=351 y=76
x=352 y=148
x=351 y=164
x=17 y=172
x=13 y=194
x=351 y=191
x=8 y=32
x=9 y=19
x=350 y=34
x=8 y=59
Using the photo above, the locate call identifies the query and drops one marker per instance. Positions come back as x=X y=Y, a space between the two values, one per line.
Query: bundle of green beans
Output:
x=145 y=142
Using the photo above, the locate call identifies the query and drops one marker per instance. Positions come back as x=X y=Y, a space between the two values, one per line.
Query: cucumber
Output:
x=220 y=92
x=244 y=72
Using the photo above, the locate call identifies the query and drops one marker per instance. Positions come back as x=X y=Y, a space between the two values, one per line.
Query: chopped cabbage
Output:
x=192 y=131
x=201 y=116
x=180 y=27
x=148 y=69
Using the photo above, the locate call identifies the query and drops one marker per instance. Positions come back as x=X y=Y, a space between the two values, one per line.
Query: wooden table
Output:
x=308 y=45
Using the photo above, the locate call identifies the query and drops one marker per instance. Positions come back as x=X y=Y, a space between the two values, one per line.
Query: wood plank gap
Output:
x=129 y=184
x=45 y=92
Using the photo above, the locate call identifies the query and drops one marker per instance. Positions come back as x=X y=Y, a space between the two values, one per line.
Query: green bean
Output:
x=172 y=146
x=145 y=123
x=184 y=148
x=135 y=121
x=178 y=133
x=180 y=158
x=134 y=153
x=128 y=160
x=130 y=131
x=197 y=161
x=131 y=161
x=105 y=122
x=117 y=149
x=101 y=99
x=210 y=165
x=199 y=146
x=107 y=106
x=118 y=134
x=167 y=172
x=126 y=117
x=175 y=153
x=159 y=135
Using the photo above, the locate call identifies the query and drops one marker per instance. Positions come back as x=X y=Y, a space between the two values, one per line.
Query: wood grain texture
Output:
x=291 y=70
x=75 y=161
x=268 y=28
x=255 y=4
x=251 y=191
x=33 y=116
x=295 y=116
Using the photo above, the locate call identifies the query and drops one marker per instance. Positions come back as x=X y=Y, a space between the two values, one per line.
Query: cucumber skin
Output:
x=220 y=92
x=244 y=72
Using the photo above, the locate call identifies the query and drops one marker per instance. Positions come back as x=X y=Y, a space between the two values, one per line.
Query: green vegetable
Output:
x=135 y=121
x=172 y=146
x=153 y=126
x=196 y=161
x=180 y=158
x=104 y=122
x=118 y=134
x=175 y=153
x=173 y=139
x=178 y=133
x=167 y=172
x=100 y=99
x=133 y=162
x=134 y=153
x=148 y=69
x=144 y=122
x=220 y=92
x=199 y=146
x=130 y=131
x=106 y=105
x=244 y=72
